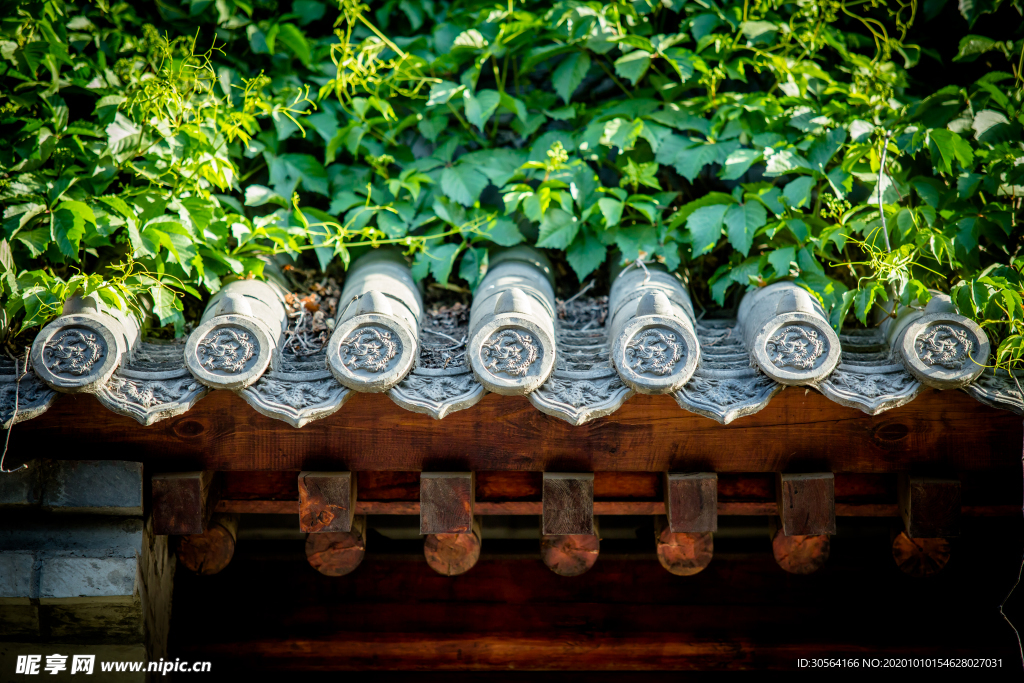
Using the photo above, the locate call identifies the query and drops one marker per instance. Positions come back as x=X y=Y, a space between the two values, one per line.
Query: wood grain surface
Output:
x=183 y=502
x=446 y=503
x=807 y=503
x=691 y=502
x=798 y=431
x=568 y=504
x=327 y=501
x=930 y=506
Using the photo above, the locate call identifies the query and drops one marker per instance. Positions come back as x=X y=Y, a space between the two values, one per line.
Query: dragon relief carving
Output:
x=872 y=385
x=947 y=345
x=581 y=393
x=511 y=352
x=297 y=395
x=795 y=346
x=75 y=352
x=227 y=349
x=149 y=393
x=440 y=389
x=727 y=392
x=31 y=393
x=369 y=348
x=655 y=352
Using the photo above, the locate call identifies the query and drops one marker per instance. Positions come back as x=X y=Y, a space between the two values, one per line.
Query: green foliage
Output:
x=167 y=148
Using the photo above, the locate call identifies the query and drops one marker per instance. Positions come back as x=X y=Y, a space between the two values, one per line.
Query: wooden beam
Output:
x=570 y=555
x=453 y=554
x=799 y=554
x=568 y=504
x=327 y=502
x=920 y=557
x=683 y=553
x=183 y=502
x=807 y=503
x=337 y=553
x=930 y=507
x=795 y=432
x=691 y=502
x=210 y=552
x=446 y=502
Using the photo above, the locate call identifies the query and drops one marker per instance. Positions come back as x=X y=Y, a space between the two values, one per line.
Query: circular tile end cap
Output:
x=228 y=352
x=655 y=354
x=372 y=352
x=796 y=349
x=945 y=350
x=77 y=352
x=511 y=355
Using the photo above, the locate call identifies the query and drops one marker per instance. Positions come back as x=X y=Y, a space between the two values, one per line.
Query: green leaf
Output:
x=633 y=65
x=865 y=300
x=463 y=183
x=504 y=232
x=781 y=260
x=558 y=229
x=951 y=147
x=682 y=61
x=704 y=228
x=569 y=74
x=292 y=36
x=798 y=193
x=709 y=199
x=473 y=266
x=442 y=258
x=481 y=107
x=737 y=163
x=441 y=93
x=971 y=46
x=611 y=209
x=742 y=223
x=586 y=254
x=67 y=226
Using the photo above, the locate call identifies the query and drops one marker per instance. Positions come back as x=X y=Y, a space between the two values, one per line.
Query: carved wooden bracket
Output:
x=807 y=503
x=327 y=501
x=568 y=504
x=183 y=502
x=446 y=502
x=929 y=506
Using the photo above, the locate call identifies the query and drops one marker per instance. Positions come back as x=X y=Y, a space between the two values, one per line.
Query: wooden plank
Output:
x=337 y=553
x=183 y=502
x=741 y=611
x=682 y=553
x=209 y=553
x=807 y=503
x=453 y=554
x=327 y=501
x=930 y=506
x=691 y=502
x=568 y=504
x=446 y=503
x=797 y=431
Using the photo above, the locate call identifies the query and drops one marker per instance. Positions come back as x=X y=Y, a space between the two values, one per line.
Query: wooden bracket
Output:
x=568 y=504
x=929 y=506
x=691 y=502
x=807 y=503
x=327 y=502
x=446 y=502
x=183 y=502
